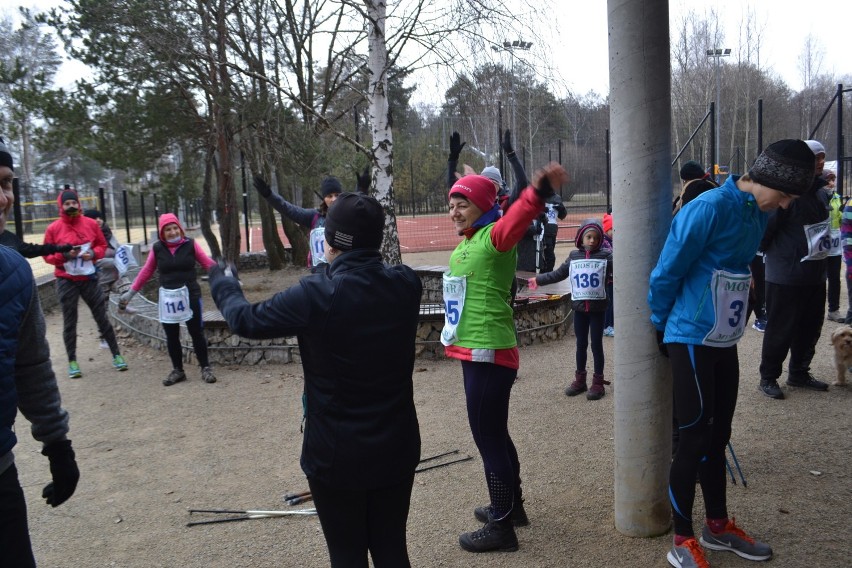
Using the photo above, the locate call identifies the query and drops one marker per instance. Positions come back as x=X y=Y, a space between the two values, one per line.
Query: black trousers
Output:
x=794 y=318
x=15 y=547
x=195 y=326
x=705 y=382
x=833 y=264
x=357 y=521
x=69 y=293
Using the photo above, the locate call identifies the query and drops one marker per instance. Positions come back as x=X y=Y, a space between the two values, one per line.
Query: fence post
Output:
x=840 y=149
x=126 y=214
x=144 y=225
x=19 y=221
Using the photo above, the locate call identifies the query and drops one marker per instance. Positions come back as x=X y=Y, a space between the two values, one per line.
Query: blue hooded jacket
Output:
x=718 y=230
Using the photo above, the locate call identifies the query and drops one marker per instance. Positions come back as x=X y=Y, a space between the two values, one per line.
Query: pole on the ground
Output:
x=640 y=118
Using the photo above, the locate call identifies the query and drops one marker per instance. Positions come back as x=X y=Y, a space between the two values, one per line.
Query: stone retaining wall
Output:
x=537 y=319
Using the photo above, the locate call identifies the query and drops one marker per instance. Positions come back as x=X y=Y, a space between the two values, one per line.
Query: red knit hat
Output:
x=607 y=222
x=479 y=190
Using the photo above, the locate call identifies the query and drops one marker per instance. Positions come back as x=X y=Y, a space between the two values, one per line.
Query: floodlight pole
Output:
x=716 y=54
x=511 y=47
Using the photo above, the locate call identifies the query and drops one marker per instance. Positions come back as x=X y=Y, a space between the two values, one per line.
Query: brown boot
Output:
x=579 y=384
x=596 y=391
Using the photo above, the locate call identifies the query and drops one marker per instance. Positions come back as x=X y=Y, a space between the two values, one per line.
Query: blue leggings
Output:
x=487 y=388
x=589 y=324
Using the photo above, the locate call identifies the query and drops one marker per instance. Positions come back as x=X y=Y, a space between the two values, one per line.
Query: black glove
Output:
x=262 y=187
x=664 y=351
x=507 y=143
x=364 y=180
x=456 y=146
x=64 y=248
x=544 y=189
x=64 y=470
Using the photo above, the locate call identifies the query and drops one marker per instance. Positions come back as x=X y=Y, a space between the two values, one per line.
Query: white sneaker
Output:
x=104 y=344
x=835 y=316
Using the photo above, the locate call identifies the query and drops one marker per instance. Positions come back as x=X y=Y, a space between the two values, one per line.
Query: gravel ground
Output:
x=149 y=453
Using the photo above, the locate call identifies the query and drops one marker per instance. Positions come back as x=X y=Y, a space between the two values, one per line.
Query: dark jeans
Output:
x=549 y=253
x=487 y=388
x=833 y=264
x=589 y=324
x=15 y=548
x=69 y=293
x=705 y=382
x=357 y=521
x=794 y=318
x=195 y=327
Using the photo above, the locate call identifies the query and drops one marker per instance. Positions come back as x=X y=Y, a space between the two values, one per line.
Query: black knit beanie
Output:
x=787 y=165
x=68 y=194
x=691 y=170
x=355 y=221
x=5 y=156
x=330 y=185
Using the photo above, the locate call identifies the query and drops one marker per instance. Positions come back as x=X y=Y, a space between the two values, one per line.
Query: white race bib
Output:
x=174 y=305
x=317 y=241
x=588 y=277
x=551 y=213
x=818 y=236
x=836 y=248
x=454 y=289
x=124 y=260
x=78 y=266
x=730 y=300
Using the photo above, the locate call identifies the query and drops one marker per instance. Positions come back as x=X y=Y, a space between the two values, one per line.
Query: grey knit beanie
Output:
x=787 y=165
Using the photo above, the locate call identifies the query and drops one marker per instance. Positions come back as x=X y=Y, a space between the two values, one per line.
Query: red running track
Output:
x=430 y=232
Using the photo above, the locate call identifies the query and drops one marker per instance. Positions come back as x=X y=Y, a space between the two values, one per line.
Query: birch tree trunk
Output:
x=380 y=126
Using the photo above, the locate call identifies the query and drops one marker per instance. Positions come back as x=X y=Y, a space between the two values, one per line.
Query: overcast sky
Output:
x=581 y=50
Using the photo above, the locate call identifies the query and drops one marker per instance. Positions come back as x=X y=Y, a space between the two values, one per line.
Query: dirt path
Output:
x=148 y=453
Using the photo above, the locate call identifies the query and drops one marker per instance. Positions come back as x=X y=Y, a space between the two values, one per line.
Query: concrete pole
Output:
x=640 y=120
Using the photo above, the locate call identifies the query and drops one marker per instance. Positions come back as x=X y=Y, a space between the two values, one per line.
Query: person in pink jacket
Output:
x=76 y=276
x=174 y=256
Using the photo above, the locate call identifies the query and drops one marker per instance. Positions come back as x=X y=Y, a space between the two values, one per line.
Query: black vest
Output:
x=178 y=269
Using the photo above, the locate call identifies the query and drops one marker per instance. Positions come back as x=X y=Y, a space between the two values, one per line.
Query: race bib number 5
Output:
x=730 y=301
x=454 y=291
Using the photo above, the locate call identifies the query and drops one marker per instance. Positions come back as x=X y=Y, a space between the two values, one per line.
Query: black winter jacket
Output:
x=356 y=323
x=784 y=242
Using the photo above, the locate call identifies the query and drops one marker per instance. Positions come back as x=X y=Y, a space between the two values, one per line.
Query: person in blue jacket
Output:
x=698 y=296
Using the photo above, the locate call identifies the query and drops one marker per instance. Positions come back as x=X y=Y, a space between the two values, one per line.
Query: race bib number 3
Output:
x=730 y=301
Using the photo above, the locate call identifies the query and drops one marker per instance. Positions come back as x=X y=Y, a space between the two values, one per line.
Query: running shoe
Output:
x=734 y=539
x=74 y=371
x=687 y=555
x=119 y=363
x=759 y=325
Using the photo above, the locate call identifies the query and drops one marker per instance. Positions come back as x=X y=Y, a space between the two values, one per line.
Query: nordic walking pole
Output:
x=419 y=469
x=430 y=458
x=737 y=464
x=730 y=472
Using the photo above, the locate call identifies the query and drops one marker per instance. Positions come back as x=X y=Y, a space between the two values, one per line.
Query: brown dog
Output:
x=841 y=338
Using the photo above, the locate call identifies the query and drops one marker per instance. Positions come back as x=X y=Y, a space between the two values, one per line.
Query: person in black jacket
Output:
x=356 y=324
x=28 y=385
x=796 y=244
x=7 y=237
